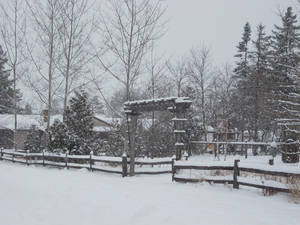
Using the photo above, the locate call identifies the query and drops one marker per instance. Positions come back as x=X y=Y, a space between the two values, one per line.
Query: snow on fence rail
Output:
x=235 y=169
x=116 y=165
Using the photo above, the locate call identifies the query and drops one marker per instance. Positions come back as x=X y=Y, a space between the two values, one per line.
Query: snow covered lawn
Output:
x=43 y=196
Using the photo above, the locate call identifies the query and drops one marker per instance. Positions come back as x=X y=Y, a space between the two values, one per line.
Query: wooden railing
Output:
x=116 y=165
x=236 y=172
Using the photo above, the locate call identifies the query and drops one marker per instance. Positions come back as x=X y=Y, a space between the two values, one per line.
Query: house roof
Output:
x=108 y=120
x=7 y=121
x=25 y=122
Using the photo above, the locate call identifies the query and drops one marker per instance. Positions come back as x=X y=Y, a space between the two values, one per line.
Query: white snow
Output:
x=43 y=196
x=155 y=100
x=256 y=162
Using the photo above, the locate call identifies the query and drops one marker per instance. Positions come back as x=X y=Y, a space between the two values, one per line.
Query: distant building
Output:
x=102 y=126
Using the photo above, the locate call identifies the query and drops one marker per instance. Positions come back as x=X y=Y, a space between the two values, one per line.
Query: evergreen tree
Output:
x=6 y=87
x=75 y=134
x=78 y=119
x=33 y=141
x=242 y=73
x=59 y=137
x=114 y=144
x=285 y=64
x=242 y=68
x=285 y=74
x=258 y=82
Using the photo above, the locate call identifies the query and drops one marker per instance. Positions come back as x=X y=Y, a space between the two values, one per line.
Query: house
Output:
x=102 y=125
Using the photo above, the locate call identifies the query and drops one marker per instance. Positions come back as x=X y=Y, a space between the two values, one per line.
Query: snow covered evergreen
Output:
x=76 y=132
x=33 y=141
x=285 y=71
x=6 y=87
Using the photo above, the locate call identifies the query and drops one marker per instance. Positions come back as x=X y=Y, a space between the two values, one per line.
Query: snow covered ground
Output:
x=257 y=162
x=43 y=196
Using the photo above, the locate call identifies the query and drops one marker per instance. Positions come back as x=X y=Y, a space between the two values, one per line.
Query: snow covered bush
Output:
x=114 y=145
x=33 y=141
x=59 y=137
x=75 y=133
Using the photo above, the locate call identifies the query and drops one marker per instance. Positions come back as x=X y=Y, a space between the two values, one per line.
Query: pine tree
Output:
x=242 y=73
x=59 y=137
x=78 y=119
x=75 y=133
x=285 y=74
x=33 y=141
x=6 y=87
x=258 y=82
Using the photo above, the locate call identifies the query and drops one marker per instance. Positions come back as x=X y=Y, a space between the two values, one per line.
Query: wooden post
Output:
x=173 y=169
x=242 y=146
x=178 y=125
x=132 y=131
x=91 y=161
x=1 y=155
x=236 y=173
x=215 y=150
x=43 y=157
x=13 y=157
x=271 y=161
x=66 y=160
x=124 y=165
x=26 y=156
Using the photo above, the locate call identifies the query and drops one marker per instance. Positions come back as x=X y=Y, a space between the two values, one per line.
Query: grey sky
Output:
x=216 y=23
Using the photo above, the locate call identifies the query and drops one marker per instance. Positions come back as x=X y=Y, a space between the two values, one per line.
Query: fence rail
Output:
x=81 y=162
x=236 y=172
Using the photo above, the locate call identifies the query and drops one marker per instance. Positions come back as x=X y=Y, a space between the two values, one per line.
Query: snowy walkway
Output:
x=41 y=196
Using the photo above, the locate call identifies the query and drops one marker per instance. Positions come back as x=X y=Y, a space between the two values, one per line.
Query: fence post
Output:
x=235 y=174
x=271 y=161
x=173 y=168
x=91 y=162
x=124 y=165
x=66 y=159
x=13 y=157
x=1 y=156
x=43 y=157
x=26 y=156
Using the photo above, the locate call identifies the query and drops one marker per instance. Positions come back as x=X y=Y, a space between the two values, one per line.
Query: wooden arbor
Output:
x=176 y=105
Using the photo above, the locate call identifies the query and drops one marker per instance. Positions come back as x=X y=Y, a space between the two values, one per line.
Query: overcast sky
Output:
x=216 y=23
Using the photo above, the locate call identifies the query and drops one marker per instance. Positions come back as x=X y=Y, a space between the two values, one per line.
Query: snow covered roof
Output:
x=146 y=122
x=25 y=122
x=7 y=121
x=110 y=120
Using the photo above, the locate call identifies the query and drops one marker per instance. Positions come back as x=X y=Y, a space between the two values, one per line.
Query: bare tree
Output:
x=200 y=72
x=128 y=26
x=43 y=49
x=75 y=36
x=156 y=69
x=12 y=31
x=178 y=73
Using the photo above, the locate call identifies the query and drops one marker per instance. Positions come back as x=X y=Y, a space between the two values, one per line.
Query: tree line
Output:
x=57 y=47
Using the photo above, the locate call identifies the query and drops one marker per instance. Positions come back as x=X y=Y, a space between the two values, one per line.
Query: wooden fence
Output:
x=116 y=165
x=236 y=172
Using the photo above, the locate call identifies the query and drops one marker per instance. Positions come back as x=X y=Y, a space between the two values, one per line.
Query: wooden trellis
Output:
x=177 y=105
